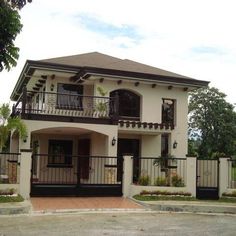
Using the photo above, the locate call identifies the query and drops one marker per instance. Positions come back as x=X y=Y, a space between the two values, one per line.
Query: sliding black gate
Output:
x=207 y=179
x=80 y=176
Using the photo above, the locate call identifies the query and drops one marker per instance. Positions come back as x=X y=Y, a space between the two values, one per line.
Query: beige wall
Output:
x=151 y=102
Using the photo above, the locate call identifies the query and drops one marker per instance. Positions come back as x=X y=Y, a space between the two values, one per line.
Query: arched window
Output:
x=129 y=104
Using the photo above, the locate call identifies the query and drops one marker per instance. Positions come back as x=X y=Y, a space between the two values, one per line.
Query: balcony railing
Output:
x=62 y=104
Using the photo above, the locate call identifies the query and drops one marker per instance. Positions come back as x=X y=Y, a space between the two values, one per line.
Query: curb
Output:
x=15 y=208
x=190 y=207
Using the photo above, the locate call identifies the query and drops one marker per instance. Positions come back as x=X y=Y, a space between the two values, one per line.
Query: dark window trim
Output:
x=79 y=96
x=67 y=156
x=174 y=111
x=121 y=112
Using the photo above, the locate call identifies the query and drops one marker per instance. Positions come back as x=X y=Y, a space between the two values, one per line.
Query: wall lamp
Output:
x=52 y=87
x=25 y=139
x=175 y=144
x=113 y=141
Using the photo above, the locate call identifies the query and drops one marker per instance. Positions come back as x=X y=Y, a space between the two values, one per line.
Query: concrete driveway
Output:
x=119 y=224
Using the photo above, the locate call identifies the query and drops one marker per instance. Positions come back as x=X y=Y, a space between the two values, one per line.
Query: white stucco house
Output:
x=85 y=112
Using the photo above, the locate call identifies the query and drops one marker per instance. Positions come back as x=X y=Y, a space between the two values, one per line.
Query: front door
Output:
x=130 y=147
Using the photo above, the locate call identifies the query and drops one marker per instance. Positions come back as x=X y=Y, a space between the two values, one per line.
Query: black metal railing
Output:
x=159 y=171
x=50 y=103
x=231 y=173
x=9 y=168
x=75 y=170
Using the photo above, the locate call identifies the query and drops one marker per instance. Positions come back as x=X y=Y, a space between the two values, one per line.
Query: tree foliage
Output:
x=10 y=27
x=212 y=120
x=18 y=3
x=8 y=124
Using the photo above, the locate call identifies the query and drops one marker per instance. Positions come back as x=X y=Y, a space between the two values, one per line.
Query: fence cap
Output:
x=188 y=155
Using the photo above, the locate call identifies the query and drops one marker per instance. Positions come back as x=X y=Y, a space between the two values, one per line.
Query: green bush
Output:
x=177 y=181
x=144 y=180
x=160 y=181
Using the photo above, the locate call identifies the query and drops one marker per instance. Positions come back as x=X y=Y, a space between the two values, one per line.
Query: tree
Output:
x=18 y=3
x=10 y=27
x=212 y=120
x=8 y=124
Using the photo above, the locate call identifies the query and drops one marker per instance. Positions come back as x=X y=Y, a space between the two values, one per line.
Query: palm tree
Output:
x=8 y=124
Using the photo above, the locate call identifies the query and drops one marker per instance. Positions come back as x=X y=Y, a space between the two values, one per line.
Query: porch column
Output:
x=25 y=172
x=223 y=175
x=127 y=175
x=191 y=175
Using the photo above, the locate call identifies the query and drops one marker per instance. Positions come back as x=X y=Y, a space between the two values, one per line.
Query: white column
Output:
x=191 y=175
x=25 y=172
x=223 y=175
x=127 y=175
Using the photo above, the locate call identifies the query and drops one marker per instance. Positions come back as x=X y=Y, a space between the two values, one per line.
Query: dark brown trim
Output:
x=35 y=88
x=26 y=150
x=87 y=120
x=38 y=85
x=41 y=81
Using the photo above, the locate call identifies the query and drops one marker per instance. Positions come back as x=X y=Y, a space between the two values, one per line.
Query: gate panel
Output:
x=70 y=179
x=207 y=179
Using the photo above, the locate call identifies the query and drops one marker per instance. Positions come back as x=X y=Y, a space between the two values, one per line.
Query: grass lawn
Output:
x=233 y=173
x=5 y=199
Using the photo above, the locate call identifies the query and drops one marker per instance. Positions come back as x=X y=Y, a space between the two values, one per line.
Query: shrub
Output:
x=144 y=180
x=160 y=181
x=177 y=181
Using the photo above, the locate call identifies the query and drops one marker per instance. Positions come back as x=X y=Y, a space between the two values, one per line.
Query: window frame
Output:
x=121 y=109
x=68 y=145
x=164 y=121
x=62 y=95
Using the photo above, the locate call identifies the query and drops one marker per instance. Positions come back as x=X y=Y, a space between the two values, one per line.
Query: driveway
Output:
x=119 y=224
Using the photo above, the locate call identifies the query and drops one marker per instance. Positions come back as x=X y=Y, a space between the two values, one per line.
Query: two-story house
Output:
x=84 y=112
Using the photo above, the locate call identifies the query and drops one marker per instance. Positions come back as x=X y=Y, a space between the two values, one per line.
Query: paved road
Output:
x=128 y=224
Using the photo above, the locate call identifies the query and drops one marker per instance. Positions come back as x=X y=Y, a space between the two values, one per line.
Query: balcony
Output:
x=52 y=106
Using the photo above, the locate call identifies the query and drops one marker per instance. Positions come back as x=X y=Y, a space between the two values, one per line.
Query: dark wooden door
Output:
x=130 y=147
x=84 y=152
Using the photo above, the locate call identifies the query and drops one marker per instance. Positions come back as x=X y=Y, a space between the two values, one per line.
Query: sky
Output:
x=188 y=37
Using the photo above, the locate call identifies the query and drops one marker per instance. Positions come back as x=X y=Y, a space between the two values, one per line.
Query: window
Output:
x=60 y=153
x=69 y=96
x=129 y=104
x=168 y=111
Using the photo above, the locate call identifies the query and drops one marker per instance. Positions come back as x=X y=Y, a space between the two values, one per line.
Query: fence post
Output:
x=127 y=175
x=191 y=175
x=223 y=175
x=25 y=172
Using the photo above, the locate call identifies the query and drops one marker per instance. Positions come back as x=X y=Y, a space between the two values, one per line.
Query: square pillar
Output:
x=25 y=172
x=191 y=175
x=223 y=175
x=127 y=175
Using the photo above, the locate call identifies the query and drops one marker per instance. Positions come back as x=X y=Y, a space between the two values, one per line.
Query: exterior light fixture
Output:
x=113 y=141
x=25 y=139
x=52 y=87
x=175 y=144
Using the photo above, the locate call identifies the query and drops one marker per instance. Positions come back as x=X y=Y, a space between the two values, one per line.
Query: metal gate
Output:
x=76 y=175
x=207 y=179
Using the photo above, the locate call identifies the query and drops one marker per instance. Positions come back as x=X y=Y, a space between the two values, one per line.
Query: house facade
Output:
x=85 y=112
